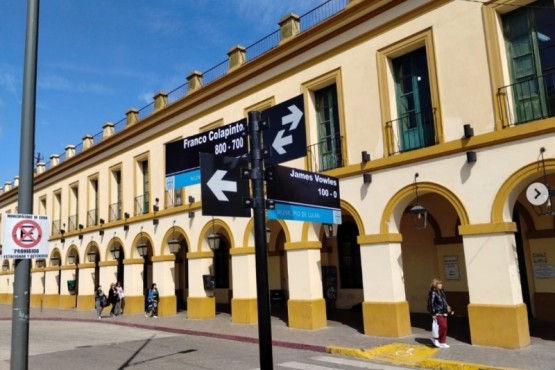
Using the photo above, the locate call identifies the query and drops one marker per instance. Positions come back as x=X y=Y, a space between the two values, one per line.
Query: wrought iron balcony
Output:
x=527 y=100
x=413 y=131
x=327 y=154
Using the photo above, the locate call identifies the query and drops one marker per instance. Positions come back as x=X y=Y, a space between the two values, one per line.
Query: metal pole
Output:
x=260 y=247
x=21 y=295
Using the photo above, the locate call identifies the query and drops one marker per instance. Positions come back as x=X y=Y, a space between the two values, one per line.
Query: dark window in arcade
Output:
x=350 y=270
x=221 y=265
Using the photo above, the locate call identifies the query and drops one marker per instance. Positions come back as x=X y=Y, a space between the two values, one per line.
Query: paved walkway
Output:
x=341 y=337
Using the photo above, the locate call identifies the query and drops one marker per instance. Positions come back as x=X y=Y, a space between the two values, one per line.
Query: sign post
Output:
x=22 y=280
x=260 y=247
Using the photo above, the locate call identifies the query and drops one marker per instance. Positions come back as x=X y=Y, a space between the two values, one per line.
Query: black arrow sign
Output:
x=222 y=188
x=285 y=137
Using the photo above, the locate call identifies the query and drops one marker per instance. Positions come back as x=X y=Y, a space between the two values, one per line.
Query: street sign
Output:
x=182 y=156
x=24 y=236
x=222 y=188
x=285 y=136
x=303 y=196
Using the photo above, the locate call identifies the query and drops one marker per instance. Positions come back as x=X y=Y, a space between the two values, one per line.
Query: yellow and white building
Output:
x=447 y=104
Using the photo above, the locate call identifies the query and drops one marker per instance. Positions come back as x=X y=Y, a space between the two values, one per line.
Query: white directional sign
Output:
x=218 y=185
x=222 y=188
x=24 y=236
x=537 y=194
x=285 y=136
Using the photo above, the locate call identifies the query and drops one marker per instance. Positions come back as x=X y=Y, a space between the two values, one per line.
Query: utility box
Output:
x=209 y=282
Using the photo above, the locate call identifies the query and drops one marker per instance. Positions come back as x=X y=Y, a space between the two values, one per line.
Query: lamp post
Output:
x=71 y=259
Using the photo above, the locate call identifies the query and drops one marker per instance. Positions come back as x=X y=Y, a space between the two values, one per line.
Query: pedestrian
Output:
x=100 y=299
x=152 y=298
x=113 y=298
x=119 y=303
x=439 y=309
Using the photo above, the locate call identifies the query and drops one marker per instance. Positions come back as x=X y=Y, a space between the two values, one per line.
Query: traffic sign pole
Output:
x=20 y=319
x=260 y=247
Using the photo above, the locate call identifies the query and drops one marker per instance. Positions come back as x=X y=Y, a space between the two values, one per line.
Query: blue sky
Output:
x=97 y=59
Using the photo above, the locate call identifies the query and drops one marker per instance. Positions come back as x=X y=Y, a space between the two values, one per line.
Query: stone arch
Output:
x=248 y=236
x=92 y=245
x=107 y=254
x=170 y=234
x=346 y=207
x=505 y=198
x=72 y=248
x=394 y=209
x=215 y=225
x=141 y=237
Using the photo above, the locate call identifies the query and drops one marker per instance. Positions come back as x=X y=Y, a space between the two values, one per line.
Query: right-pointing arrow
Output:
x=280 y=141
x=294 y=117
x=218 y=185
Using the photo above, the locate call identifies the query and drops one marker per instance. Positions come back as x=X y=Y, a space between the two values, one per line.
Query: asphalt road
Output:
x=88 y=346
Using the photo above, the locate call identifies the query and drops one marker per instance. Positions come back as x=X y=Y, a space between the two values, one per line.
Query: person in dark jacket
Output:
x=113 y=299
x=439 y=309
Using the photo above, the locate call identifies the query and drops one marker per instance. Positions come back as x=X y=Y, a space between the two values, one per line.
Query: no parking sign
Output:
x=24 y=236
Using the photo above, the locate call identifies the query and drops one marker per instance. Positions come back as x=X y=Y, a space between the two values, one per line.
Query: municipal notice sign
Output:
x=24 y=236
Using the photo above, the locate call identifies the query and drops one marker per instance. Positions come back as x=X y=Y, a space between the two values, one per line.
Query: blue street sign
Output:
x=303 y=195
x=303 y=212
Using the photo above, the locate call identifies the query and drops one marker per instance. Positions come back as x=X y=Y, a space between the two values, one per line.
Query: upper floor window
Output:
x=142 y=204
x=409 y=94
x=116 y=197
x=415 y=122
x=529 y=34
x=329 y=133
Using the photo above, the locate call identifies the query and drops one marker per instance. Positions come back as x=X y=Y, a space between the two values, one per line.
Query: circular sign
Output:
x=537 y=194
x=27 y=234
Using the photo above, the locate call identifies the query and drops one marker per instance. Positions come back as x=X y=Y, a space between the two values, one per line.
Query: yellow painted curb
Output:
x=409 y=355
x=437 y=364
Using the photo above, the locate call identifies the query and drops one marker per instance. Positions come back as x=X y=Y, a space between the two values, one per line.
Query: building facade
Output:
x=446 y=105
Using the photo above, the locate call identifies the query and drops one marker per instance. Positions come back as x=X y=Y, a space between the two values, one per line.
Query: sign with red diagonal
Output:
x=24 y=236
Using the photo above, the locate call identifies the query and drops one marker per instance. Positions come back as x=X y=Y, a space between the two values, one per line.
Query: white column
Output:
x=492 y=269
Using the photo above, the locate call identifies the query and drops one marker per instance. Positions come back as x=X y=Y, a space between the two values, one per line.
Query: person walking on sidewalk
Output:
x=113 y=299
x=439 y=309
x=152 y=299
x=100 y=301
x=119 y=303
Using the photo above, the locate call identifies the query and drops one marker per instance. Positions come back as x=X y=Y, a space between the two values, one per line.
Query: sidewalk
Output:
x=414 y=350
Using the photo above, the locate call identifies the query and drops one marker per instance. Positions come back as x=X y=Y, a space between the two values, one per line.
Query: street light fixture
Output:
x=418 y=212
x=214 y=239
x=173 y=244
x=142 y=248
x=115 y=251
x=91 y=255
x=71 y=259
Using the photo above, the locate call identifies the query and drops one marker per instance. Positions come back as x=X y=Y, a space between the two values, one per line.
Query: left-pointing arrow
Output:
x=280 y=141
x=218 y=185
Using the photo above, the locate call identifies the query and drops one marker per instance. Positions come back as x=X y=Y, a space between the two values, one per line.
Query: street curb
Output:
x=429 y=363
